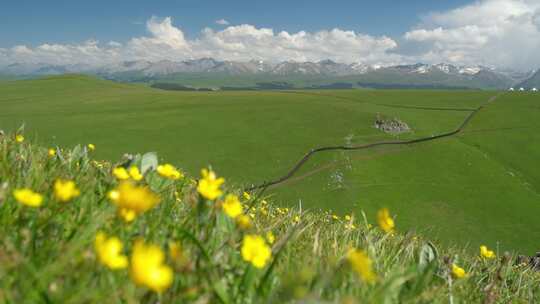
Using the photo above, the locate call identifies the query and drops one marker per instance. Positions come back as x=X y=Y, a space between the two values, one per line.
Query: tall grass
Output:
x=48 y=254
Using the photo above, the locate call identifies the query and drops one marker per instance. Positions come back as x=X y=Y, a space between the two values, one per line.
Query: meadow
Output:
x=478 y=187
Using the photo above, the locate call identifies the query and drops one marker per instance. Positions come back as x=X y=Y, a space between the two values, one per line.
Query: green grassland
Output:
x=55 y=251
x=478 y=187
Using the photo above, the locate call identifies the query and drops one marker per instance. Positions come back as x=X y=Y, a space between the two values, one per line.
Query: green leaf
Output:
x=389 y=292
x=220 y=289
x=149 y=161
x=428 y=254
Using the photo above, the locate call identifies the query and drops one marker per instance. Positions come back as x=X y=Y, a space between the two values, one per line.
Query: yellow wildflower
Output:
x=255 y=250
x=361 y=264
x=296 y=219
x=120 y=173
x=148 y=268
x=109 y=251
x=486 y=253
x=19 y=138
x=350 y=226
x=246 y=196
x=335 y=217
x=28 y=197
x=65 y=190
x=132 y=200
x=243 y=221
x=169 y=171
x=458 y=272
x=127 y=214
x=270 y=237
x=113 y=195
x=347 y=217
x=386 y=223
x=232 y=206
x=91 y=147
x=209 y=185
x=51 y=152
x=135 y=173
x=97 y=164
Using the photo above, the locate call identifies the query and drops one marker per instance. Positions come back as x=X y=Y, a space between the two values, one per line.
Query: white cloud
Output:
x=492 y=32
x=503 y=33
x=222 y=22
x=242 y=42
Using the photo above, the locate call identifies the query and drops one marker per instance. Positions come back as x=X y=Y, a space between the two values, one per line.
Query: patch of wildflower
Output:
x=148 y=268
x=109 y=251
x=210 y=185
x=135 y=173
x=232 y=206
x=458 y=272
x=361 y=264
x=91 y=147
x=132 y=200
x=128 y=215
x=51 y=152
x=19 y=138
x=169 y=171
x=244 y=222
x=255 y=250
x=246 y=196
x=28 y=197
x=122 y=173
x=386 y=223
x=486 y=253
x=65 y=190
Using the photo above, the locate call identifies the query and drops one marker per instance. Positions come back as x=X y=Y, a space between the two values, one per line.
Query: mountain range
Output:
x=325 y=72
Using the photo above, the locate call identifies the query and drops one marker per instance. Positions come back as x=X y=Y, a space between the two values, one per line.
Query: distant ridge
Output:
x=532 y=82
x=419 y=75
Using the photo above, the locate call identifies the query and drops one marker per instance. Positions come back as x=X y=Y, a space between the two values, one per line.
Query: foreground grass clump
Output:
x=77 y=230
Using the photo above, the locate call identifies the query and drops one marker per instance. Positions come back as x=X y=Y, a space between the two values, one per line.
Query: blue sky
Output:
x=39 y=21
x=498 y=33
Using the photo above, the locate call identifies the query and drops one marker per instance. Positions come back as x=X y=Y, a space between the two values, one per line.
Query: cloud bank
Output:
x=504 y=33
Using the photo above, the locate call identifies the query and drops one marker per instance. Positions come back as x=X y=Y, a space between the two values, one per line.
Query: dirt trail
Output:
x=263 y=186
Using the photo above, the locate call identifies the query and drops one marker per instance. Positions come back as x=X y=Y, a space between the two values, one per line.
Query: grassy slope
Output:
x=477 y=187
x=47 y=254
x=450 y=188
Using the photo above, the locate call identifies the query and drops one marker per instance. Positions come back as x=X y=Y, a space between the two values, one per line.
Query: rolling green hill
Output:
x=480 y=186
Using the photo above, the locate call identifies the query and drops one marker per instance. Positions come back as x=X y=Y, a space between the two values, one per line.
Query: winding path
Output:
x=263 y=186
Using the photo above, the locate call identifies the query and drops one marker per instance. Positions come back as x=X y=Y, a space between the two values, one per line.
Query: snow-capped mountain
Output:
x=419 y=73
x=533 y=82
